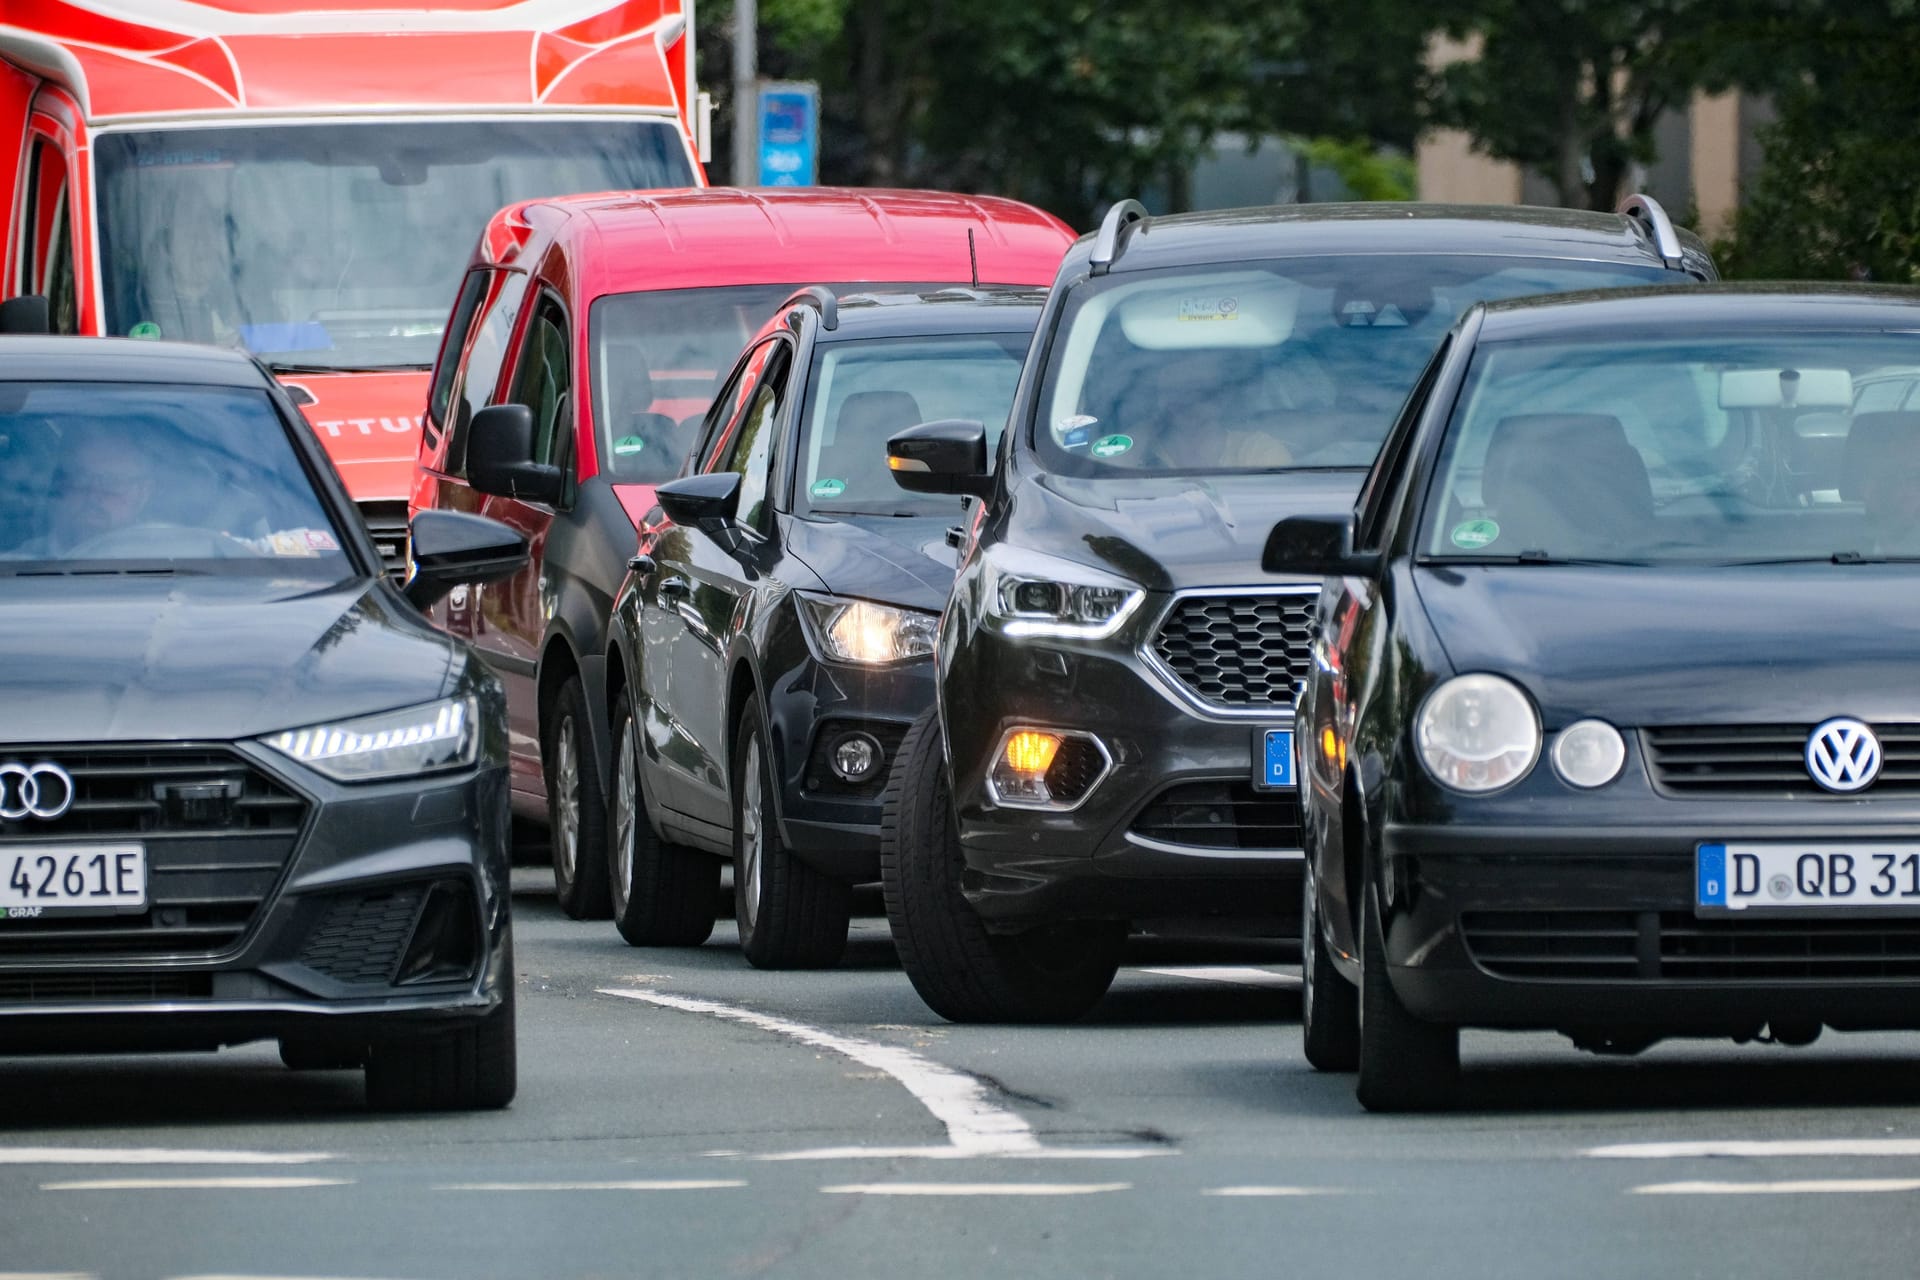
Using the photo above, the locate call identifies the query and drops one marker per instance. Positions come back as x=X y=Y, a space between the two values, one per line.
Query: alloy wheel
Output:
x=625 y=814
x=752 y=838
x=566 y=781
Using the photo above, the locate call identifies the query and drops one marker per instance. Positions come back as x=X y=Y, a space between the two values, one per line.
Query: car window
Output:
x=465 y=307
x=479 y=375
x=862 y=392
x=131 y=474
x=542 y=380
x=1886 y=393
x=1376 y=495
x=1264 y=366
x=752 y=448
x=45 y=265
x=1728 y=448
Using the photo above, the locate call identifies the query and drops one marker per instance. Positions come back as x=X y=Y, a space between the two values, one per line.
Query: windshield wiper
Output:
x=1838 y=557
x=893 y=515
x=1538 y=557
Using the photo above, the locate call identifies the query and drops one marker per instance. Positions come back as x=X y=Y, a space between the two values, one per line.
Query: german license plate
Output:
x=1798 y=877
x=72 y=880
x=1274 y=770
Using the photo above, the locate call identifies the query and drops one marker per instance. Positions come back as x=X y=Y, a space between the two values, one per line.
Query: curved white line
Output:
x=152 y=1155
x=1748 y=1149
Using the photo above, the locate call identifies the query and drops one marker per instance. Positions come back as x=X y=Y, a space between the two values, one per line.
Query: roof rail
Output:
x=1666 y=242
x=822 y=297
x=1106 y=241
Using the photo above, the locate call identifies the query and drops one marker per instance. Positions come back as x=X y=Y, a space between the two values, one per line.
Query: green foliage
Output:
x=1368 y=172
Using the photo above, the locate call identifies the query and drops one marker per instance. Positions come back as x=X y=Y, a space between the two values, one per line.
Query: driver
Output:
x=1204 y=417
x=103 y=483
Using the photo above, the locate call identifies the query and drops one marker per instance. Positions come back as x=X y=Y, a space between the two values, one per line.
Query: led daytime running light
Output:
x=327 y=742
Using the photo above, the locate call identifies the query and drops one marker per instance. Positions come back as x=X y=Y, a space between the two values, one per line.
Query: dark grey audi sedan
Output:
x=246 y=792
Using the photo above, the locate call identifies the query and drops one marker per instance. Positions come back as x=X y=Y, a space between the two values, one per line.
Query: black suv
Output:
x=1114 y=744
x=774 y=639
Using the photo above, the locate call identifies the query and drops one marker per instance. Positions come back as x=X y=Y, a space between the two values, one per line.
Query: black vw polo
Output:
x=246 y=792
x=1614 y=724
x=773 y=641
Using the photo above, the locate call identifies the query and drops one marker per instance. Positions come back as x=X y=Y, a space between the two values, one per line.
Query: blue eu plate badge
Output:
x=1276 y=760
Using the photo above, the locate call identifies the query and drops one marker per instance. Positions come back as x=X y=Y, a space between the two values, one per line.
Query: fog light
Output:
x=1589 y=753
x=1031 y=753
x=856 y=758
x=1020 y=773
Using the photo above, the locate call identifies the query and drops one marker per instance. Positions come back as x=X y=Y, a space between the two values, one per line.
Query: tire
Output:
x=791 y=916
x=321 y=1055
x=661 y=894
x=1053 y=973
x=472 y=1069
x=576 y=811
x=1329 y=1004
x=1405 y=1064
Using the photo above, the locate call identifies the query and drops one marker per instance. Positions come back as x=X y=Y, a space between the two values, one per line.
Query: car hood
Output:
x=1178 y=531
x=1639 y=646
x=116 y=658
x=901 y=560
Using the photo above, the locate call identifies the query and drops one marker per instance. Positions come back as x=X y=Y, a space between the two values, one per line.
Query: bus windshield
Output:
x=335 y=245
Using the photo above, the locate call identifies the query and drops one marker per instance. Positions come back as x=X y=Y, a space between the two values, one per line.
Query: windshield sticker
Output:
x=828 y=488
x=626 y=446
x=1075 y=432
x=1111 y=446
x=291 y=543
x=1210 y=308
x=1474 y=534
x=145 y=329
x=320 y=540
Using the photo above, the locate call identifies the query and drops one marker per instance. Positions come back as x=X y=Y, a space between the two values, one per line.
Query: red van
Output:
x=599 y=325
x=303 y=180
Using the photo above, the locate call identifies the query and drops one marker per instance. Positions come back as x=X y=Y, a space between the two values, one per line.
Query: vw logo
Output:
x=42 y=790
x=1843 y=755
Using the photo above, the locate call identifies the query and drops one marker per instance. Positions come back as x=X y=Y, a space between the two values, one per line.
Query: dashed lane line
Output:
x=151 y=1155
x=975 y=1188
x=681 y=1184
x=1276 y=1192
x=1758 y=1149
x=195 y=1184
x=1809 y=1186
x=953 y=1153
x=1242 y=976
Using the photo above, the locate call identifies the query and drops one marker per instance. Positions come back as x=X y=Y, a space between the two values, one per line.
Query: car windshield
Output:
x=1271 y=365
x=334 y=245
x=99 y=478
x=863 y=392
x=1724 y=449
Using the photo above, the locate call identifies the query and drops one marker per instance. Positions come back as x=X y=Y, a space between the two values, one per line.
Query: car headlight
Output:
x=1477 y=733
x=868 y=634
x=1589 y=753
x=1030 y=594
x=393 y=744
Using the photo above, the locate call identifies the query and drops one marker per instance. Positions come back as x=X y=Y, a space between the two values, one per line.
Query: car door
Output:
x=43 y=240
x=701 y=586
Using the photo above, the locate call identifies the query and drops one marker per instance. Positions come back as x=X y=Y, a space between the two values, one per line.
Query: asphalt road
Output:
x=683 y=1115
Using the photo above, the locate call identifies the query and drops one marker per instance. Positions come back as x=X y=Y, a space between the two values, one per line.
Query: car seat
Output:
x=856 y=452
x=629 y=381
x=1876 y=441
x=1566 y=484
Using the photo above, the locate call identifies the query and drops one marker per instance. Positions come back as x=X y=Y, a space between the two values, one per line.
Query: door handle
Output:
x=642 y=564
x=677 y=588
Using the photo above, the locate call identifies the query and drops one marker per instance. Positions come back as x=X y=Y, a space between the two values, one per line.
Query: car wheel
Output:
x=1054 y=973
x=1405 y=1064
x=1329 y=1004
x=662 y=894
x=301 y=1054
x=791 y=916
x=576 y=811
x=472 y=1069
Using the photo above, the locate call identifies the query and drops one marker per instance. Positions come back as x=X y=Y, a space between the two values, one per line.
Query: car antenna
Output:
x=973 y=259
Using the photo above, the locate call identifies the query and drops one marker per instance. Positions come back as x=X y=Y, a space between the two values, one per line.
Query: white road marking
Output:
x=1238 y=975
x=151 y=1155
x=1834 y=1186
x=684 y=1184
x=195 y=1184
x=974 y=1125
x=48 y=1275
x=1273 y=1191
x=1783 y=1147
x=956 y=1153
x=976 y=1188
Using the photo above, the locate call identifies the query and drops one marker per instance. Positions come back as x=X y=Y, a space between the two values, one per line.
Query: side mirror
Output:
x=500 y=456
x=1316 y=547
x=948 y=456
x=705 y=502
x=452 y=547
x=27 y=313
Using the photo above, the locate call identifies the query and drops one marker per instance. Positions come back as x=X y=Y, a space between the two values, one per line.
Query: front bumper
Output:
x=1592 y=932
x=385 y=913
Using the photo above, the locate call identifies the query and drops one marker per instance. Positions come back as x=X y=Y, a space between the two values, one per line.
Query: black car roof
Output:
x=1741 y=307
x=1290 y=231
x=893 y=313
x=40 y=359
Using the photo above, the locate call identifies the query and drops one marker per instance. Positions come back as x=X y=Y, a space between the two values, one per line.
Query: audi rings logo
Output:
x=1843 y=755
x=42 y=790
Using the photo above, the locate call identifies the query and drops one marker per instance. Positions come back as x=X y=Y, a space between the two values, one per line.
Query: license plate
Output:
x=72 y=880
x=1275 y=769
x=1808 y=878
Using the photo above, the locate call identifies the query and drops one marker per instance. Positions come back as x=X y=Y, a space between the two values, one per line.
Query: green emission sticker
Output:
x=627 y=445
x=1474 y=534
x=1111 y=446
x=145 y=329
x=827 y=488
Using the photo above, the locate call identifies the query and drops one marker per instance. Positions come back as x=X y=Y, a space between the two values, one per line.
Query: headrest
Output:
x=1585 y=448
x=1875 y=440
x=873 y=415
x=627 y=376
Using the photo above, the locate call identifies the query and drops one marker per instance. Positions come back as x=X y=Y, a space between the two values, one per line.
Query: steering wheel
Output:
x=153 y=540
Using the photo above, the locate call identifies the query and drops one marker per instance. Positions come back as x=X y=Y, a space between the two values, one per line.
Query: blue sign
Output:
x=789 y=134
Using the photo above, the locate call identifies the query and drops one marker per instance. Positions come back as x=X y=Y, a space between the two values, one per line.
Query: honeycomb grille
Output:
x=1240 y=652
x=359 y=938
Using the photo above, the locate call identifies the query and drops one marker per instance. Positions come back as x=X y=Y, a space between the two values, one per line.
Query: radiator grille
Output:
x=387 y=522
x=1674 y=946
x=1222 y=815
x=28 y=988
x=1765 y=760
x=1240 y=652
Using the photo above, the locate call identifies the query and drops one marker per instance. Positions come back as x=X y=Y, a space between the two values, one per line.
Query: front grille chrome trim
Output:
x=1184 y=695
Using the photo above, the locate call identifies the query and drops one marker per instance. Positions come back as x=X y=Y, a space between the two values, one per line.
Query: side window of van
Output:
x=452 y=347
x=45 y=265
x=542 y=382
x=479 y=374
